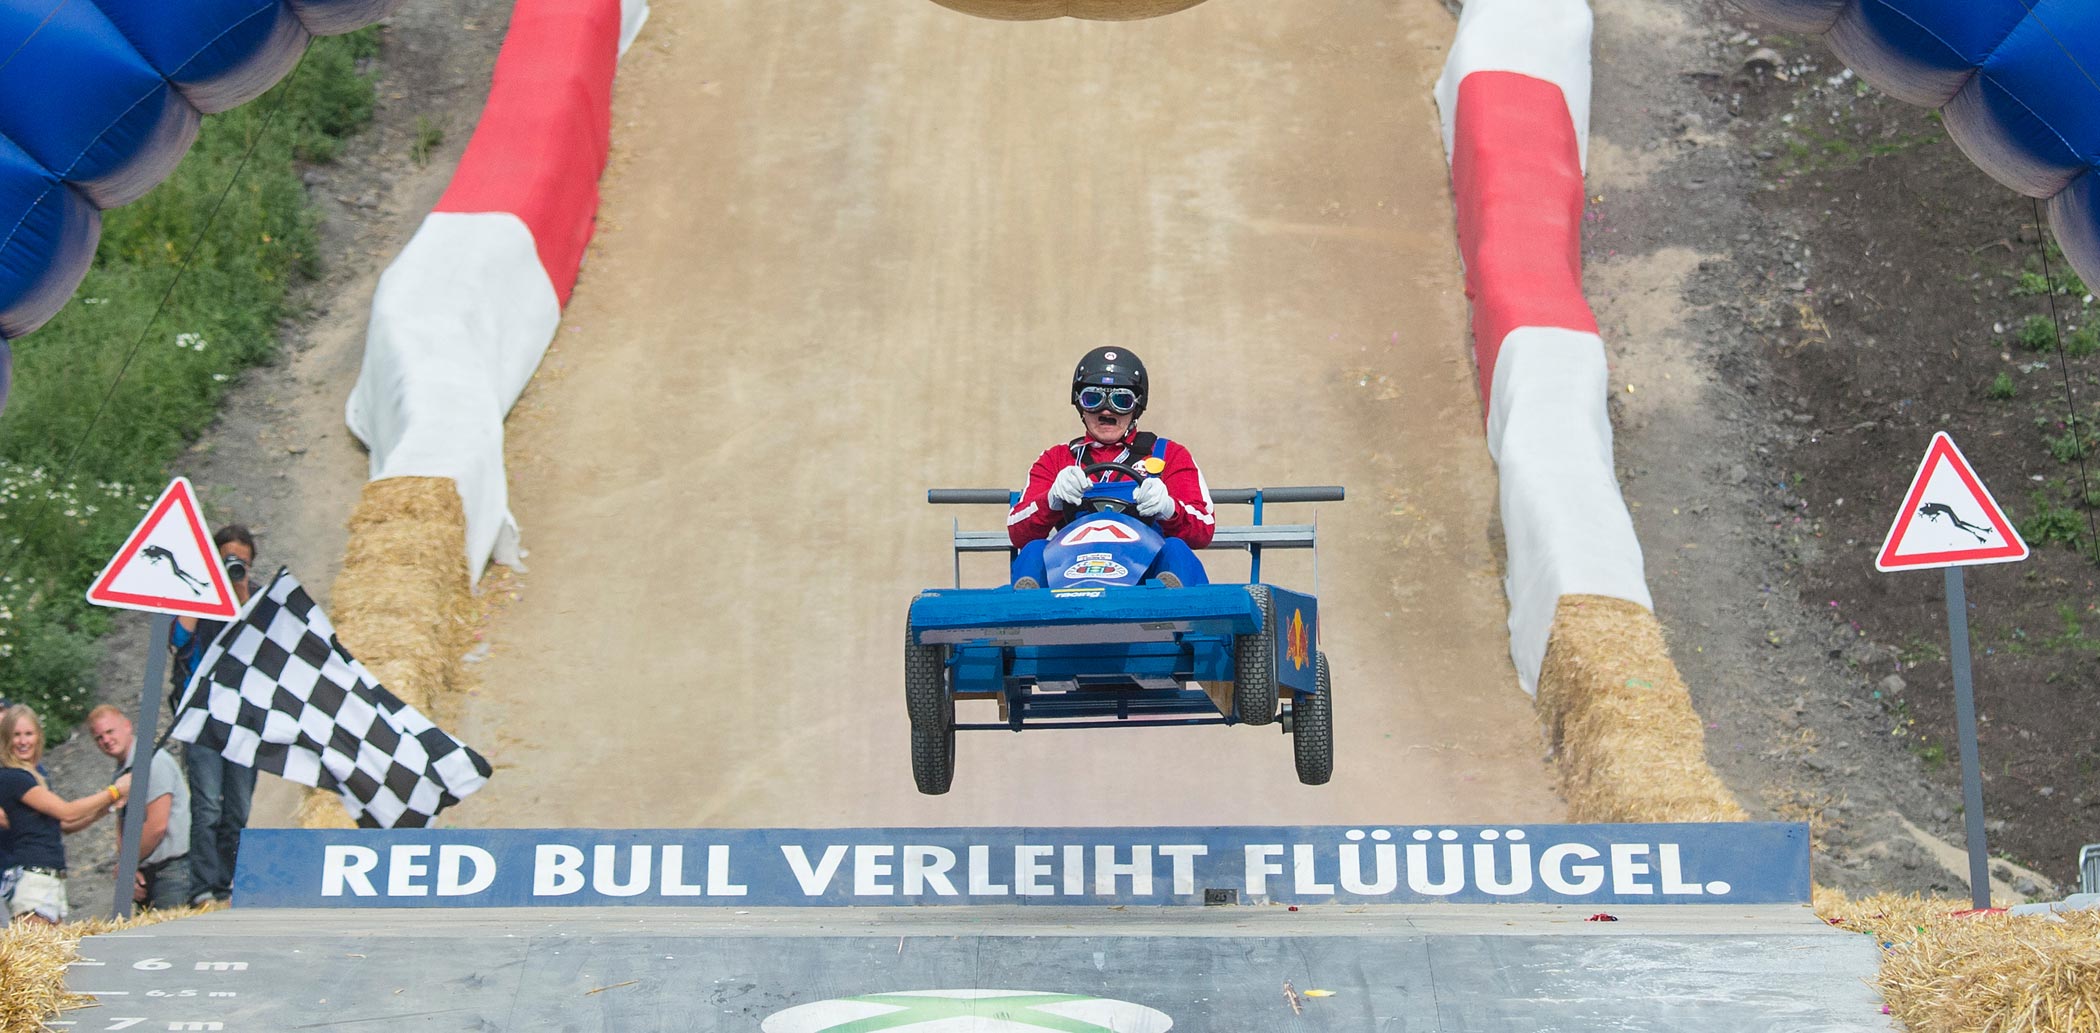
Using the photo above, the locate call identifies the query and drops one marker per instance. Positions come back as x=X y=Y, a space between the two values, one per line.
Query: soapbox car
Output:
x=1098 y=645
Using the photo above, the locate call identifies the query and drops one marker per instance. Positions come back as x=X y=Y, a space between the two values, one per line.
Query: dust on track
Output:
x=847 y=256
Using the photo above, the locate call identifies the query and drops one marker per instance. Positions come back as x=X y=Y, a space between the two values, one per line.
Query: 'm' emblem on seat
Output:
x=1098 y=531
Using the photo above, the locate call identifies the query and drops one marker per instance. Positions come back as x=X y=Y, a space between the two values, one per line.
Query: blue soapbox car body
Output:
x=1101 y=645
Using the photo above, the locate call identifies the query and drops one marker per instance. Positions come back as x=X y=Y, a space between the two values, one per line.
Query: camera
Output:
x=235 y=569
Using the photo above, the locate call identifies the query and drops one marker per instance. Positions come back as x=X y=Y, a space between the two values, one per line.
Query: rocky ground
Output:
x=1799 y=280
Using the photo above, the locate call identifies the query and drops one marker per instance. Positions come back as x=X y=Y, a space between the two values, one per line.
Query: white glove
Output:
x=1069 y=487
x=1153 y=502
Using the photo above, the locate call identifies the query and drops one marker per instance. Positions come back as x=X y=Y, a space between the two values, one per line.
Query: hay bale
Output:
x=1629 y=745
x=33 y=960
x=1943 y=971
x=1094 y=10
x=403 y=602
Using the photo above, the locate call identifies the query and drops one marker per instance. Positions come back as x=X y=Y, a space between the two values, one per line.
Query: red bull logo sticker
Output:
x=1096 y=565
x=1299 y=647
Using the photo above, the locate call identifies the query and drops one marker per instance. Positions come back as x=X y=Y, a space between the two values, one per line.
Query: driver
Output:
x=1109 y=388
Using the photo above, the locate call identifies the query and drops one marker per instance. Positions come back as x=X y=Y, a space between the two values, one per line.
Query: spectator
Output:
x=219 y=789
x=36 y=817
x=163 y=879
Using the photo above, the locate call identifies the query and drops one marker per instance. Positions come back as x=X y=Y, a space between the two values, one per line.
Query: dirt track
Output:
x=848 y=256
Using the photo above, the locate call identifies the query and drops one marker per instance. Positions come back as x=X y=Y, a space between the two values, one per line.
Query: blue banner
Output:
x=1737 y=863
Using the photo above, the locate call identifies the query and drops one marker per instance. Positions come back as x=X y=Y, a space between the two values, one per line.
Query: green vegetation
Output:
x=2074 y=444
x=57 y=529
x=2051 y=522
x=2037 y=334
x=1918 y=650
x=2071 y=637
x=2030 y=282
x=2085 y=341
x=428 y=135
x=2002 y=387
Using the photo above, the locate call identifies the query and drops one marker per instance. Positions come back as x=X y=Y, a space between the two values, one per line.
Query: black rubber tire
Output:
x=1312 y=730
x=933 y=757
x=932 y=710
x=1254 y=665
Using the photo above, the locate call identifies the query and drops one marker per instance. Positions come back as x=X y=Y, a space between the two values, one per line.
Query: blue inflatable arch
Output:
x=98 y=101
x=2017 y=83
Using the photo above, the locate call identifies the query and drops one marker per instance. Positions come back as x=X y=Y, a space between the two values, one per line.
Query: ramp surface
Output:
x=1480 y=969
x=851 y=252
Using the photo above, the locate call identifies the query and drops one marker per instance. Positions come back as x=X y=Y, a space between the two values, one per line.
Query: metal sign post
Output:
x=143 y=732
x=1949 y=520
x=168 y=567
x=1965 y=730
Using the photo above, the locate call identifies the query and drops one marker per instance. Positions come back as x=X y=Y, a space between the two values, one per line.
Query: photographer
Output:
x=219 y=790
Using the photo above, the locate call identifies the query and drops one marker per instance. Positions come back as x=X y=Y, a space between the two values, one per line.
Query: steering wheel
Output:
x=1126 y=469
x=1110 y=505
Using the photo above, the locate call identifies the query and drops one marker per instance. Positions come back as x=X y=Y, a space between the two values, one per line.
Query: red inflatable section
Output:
x=544 y=136
x=1517 y=174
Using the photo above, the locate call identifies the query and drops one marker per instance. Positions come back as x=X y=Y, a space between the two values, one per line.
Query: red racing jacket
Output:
x=1191 y=520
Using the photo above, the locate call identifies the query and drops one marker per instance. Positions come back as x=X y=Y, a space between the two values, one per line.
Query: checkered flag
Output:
x=277 y=692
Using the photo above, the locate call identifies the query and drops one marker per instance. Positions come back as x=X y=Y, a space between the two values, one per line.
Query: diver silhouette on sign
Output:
x=155 y=554
x=1936 y=510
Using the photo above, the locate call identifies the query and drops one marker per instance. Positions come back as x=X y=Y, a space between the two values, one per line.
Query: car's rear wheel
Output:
x=1312 y=730
x=932 y=710
x=1254 y=665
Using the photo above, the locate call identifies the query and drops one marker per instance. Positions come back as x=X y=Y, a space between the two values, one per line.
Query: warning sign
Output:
x=168 y=565
x=1948 y=518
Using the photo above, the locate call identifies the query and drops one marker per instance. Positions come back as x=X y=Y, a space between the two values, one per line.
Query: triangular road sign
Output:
x=1948 y=518
x=168 y=565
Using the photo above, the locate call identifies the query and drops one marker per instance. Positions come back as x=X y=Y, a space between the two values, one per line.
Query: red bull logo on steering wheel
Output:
x=1096 y=565
x=1299 y=649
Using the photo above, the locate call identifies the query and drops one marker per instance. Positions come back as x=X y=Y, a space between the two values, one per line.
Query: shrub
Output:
x=2002 y=386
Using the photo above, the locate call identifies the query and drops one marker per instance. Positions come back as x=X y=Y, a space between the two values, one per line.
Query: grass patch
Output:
x=56 y=531
x=2062 y=281
x=2037 y=334
x=1916 y=651
x=2074 y=444
x=2002 y=387
x=428 y=136
x=2071 y=636
x=2051 y=522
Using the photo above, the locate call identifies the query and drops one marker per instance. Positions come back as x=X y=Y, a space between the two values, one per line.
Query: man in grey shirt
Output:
x=164 y=843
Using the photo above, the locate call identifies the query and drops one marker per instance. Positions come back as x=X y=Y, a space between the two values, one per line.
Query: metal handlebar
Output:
x=1289 y=493
x=970 y=496
x=1241 y=496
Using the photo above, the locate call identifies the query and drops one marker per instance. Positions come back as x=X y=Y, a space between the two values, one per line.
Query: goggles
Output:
x=1114 y=399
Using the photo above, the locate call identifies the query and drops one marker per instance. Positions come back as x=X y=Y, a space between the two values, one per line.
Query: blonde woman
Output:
x=37 y=818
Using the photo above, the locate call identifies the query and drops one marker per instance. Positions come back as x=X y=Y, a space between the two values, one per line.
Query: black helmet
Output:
x=1112 y=367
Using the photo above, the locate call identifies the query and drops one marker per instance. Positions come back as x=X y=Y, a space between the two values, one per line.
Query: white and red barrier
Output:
x=1514 y=96
x=462 y=317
